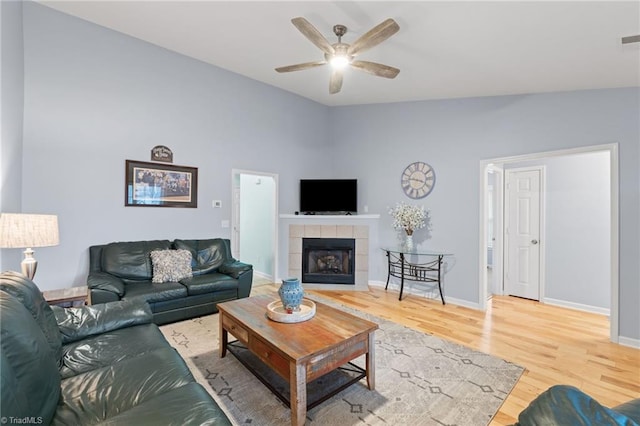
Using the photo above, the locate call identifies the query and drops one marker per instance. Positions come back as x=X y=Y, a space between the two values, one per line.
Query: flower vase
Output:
x=408 y=242
x=291 y=294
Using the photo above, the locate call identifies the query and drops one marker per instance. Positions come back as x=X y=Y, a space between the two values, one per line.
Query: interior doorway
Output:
x=607 y=177
x=254 y=227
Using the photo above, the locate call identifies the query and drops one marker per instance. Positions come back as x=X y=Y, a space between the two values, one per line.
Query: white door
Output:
x=523 y=233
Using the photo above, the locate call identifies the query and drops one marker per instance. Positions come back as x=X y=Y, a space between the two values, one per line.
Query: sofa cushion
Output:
x=105 y=349
x=209 y=283
x=30 y=379
x=152 y=292
x=170 y=265
x=96 y=395
x=25 y=290
x=186 y=405
x=207 y=255
x=131 y=260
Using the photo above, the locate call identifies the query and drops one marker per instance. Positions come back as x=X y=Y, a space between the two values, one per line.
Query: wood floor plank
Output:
x=556 y=345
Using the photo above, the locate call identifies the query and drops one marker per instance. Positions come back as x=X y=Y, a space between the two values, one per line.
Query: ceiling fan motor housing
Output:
x=339 y=30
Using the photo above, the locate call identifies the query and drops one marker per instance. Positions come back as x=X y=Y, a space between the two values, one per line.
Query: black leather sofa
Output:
x=106 y=364
x=124 y=271
x=567 y=405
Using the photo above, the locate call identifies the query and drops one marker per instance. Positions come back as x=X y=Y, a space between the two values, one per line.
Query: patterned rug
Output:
x=420 y=380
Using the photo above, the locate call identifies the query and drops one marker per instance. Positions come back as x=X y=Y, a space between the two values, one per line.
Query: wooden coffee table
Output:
x=299 y=352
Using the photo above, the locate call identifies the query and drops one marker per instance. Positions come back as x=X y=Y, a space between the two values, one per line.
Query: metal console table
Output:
x=399 y=267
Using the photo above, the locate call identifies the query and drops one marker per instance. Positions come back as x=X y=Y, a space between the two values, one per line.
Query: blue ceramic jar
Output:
x=291 y=294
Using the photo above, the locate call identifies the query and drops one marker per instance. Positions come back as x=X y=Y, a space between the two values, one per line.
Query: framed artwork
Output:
x=160 y=185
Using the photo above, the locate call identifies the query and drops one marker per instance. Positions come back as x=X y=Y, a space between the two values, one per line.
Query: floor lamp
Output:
x=19 y=230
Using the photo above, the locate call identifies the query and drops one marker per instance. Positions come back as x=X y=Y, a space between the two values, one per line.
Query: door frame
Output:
x=612 y=149
x=236 y=173
x=541 y=231
x=498 y=225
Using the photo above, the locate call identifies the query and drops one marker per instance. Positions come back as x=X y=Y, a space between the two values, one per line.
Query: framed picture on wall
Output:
x=160 y=185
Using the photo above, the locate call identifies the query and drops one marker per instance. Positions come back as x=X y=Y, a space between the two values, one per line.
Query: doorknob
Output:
x=534 y=241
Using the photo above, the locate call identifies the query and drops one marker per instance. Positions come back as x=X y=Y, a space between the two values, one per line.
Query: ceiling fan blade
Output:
x=374 y=68
x=374 y=36
x=314 y=36
x=335 y=84
x=300 y=67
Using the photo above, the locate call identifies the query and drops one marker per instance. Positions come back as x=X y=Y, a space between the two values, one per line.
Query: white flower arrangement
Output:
x=409 y=218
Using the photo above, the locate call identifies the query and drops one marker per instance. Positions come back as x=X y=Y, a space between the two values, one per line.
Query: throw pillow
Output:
x=171 y=265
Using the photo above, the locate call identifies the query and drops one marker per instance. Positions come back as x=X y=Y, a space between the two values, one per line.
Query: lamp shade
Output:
x=18 y=230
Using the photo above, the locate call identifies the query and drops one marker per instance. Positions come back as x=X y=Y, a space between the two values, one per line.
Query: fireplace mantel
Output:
x=338 y=217
x=363 y=228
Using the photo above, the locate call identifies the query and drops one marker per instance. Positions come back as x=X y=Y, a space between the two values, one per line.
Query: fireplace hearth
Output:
x=328 y=260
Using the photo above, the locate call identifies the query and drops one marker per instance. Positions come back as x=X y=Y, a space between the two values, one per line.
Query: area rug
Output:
x=420 y=380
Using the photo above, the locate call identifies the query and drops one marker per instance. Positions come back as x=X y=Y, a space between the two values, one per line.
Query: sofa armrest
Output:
x=84 y=321
x=243 y=272
x=234 y=268
x=106 y=282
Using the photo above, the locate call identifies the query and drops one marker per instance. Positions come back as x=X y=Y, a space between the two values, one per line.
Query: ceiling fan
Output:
x=342 y=54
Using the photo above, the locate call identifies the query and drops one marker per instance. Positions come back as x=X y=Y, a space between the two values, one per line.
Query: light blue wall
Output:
x=578 y=240
x=94 y=97
x=454 y=135
x=11 y=93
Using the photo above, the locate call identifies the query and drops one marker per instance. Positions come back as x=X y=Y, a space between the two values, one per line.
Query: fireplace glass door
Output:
x=328 y=260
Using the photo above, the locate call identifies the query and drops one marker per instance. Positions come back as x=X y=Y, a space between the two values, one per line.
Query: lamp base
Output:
x=29 y=264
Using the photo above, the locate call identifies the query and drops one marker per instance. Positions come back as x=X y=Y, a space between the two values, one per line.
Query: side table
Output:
x=66 y=297
x=400 y=267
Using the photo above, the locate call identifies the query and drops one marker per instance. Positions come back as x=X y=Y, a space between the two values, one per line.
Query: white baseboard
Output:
x=628 y=341
x=427 y=293
x=577 y=306
x=262 y=275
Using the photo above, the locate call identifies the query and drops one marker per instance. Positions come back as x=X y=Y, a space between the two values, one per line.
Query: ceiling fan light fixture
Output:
x=339 y=61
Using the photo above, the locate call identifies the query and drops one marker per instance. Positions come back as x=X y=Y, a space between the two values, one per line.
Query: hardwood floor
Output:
x=555 y=345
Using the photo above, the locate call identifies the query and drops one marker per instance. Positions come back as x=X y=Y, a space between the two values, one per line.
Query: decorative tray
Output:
x=276 y=312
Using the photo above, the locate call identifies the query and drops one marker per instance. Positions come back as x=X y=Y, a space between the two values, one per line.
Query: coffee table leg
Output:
x=371 y=362
x=298 y=396
x=224 y=338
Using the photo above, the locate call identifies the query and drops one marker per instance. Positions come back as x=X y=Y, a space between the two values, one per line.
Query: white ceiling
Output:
x=444 y=49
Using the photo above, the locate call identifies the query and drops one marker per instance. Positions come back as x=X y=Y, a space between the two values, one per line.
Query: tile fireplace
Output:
x=361 y=229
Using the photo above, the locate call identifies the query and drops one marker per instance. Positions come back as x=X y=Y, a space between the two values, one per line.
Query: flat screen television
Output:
x=325 y=196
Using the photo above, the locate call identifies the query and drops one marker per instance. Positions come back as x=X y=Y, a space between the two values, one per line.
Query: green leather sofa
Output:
x=124 y=271
x=567 y=405
x=106 y=364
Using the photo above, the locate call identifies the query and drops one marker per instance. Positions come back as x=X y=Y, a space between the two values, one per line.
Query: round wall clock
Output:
x=418 y=179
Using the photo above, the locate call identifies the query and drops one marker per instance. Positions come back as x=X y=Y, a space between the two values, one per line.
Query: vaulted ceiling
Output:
x=444 y=49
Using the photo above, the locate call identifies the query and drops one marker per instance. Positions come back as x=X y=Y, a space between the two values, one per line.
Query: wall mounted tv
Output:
x=326 y=196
